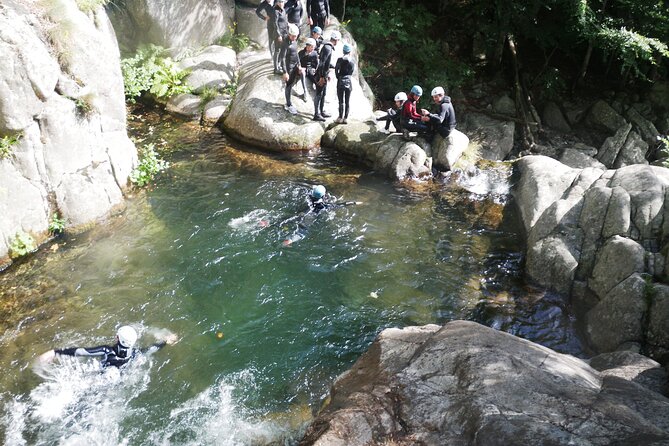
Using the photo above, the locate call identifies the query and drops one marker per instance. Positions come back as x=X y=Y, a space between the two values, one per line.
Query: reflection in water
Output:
x=264 y=328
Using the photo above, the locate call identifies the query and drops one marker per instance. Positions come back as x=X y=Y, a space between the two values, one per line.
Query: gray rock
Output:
x=632 y=367
x=617 y=221
x=465 y=384
x=618 y=259
x=609 y=151
x=632 y=152
x=643 y=126
x=554 y=118
x=552 y=262
x=504 y=105
x=603 y=117
x=447 y=151
x=213 y=67
x=250 y=25
x=214 y=109
x=657 y=333
x=411 y=161
x=492 y=139
x=185 y=105
x=174 y=25
x=576 y=159
x=659 y=93
x=624 y=308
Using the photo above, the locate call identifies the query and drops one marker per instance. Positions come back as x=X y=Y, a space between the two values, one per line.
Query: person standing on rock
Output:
x=442 y=121
x=411 y=120
x=265 y=11
x=309 y=62
x=290 y=64
x=344 y=70
x=322 y=75
x=294 y=11
x=280 y=32
x=317 y=35
x=318 y=13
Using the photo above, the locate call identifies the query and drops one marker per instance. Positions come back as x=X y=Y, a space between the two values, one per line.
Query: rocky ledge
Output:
x=464 y=384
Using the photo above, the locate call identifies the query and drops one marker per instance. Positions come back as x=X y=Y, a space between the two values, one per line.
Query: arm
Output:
x=282 y=56
x=338 y=68
x=102 y=350
x=438 y=118
x=260 y=9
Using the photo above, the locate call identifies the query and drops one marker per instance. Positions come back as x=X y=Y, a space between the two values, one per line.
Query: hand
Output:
x=266 y=18
x=425 y=118
x=171 y=339
x=285 y=77
x=311 y=22
x=424 y=112
x=47 y=357
x=327 y=21
x=279 y=39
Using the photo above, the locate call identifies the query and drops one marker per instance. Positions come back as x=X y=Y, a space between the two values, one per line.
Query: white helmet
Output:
x=127 y=336
x=310 y=41
x=401 y=96
x=437 y=90
x=293 y=30
x=335 y=35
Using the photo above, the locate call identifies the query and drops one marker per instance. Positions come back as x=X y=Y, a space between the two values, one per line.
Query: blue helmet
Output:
x=416 y=90
x=347 y=48
x=317 y=30
x=318 y=191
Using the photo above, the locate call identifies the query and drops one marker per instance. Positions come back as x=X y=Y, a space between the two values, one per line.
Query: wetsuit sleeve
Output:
x=327 y=8
x=102 y=350
x=154 y=348
x=309 y=8
x=282 y=55
x=260 y=9
x=338 y=68
x=438 y=118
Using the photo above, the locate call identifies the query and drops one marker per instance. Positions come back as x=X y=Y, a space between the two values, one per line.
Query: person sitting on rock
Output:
x=344 y=70
x=393 y=116
x=280 y=32
x=309 y=62
x=442 y=121
x=110 y=356
x=317 y=35
x=323 y=74
x=290 y=65
x=410 y=118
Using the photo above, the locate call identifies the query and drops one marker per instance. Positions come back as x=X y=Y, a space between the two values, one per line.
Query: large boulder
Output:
x=603 y=237
x=492 y=138
x=466 y=384
x=603 y=117
x=213 y=67
x=174 y=25
x=65 y=102
x=447 y=151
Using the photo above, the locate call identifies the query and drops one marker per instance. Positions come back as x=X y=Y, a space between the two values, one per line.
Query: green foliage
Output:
x=7 y=143
x=149 y=166
x=85 y=104
x=151 y=70
x=21 y=245
x=631 y=48
x=232 y=39
x=551 y=84
x=90 y=5
x=230 y=88
x=56 y=225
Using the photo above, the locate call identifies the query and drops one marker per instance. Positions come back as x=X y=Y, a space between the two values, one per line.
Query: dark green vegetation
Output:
x=548 y=48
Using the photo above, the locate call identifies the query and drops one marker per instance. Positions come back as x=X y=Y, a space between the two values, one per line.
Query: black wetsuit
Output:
x=344 y=70
x=268 y=16
x=324 y=65
x=115 y=356
x=443 y=121
x=319 y=11
x=393 y=117
x=294 y=11
x=308 y=61
x=290 y=63
x=280 y=30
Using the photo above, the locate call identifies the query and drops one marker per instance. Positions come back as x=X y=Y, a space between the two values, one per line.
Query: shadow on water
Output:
x=264 y=328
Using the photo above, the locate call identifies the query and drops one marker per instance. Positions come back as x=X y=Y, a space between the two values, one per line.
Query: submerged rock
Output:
x=464 y=384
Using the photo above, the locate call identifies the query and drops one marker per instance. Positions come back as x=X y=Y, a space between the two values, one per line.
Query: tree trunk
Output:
x=521 y=107
x=586 y=59
x=343 y=10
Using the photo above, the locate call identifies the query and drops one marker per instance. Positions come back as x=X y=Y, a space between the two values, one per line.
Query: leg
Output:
x=347 y=102
x=340 y=97
x=322 y=104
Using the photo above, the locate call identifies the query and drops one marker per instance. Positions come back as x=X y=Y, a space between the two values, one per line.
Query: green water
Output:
x=189 y=256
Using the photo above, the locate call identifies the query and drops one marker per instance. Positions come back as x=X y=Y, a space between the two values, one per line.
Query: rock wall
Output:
x=602 y=236
x=61 y=93
x=176 y=25
x=466 y=384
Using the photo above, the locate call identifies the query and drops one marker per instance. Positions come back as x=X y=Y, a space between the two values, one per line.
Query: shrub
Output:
x=150 y=70
x=90 y=5
x=232 y=39
x=21 y=245
x=7 y=143
x=149 y=165
x=56 y=225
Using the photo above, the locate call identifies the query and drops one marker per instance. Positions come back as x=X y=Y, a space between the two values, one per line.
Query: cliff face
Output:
x=62 y=105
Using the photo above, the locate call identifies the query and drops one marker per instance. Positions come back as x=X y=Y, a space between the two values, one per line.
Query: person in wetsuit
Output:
x=294 y=12
x=265 y=12
x=115 y=355
x=280 y=32
x=309 y=62
x=290 y=65
x=317 y=35
x=393 y=116
x=322 y=76
x=344 y=70
x=442 y=121
x=411 y=119
x=318 y=13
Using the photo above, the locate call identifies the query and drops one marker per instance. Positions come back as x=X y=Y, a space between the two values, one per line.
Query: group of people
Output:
x=407 y=117
x=311 y=65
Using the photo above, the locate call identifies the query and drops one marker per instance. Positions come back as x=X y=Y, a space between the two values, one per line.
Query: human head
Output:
x=126 y=336
x=317 y=30
x=437 y=94
x=335 y=37
x=400 y=97
x=293 y=31
x=416 y=92
x=347 y=48
x=278 y=3
x=310 y=42
x=318 y=191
